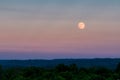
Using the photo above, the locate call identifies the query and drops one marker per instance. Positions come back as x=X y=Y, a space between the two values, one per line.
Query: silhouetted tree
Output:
x=0 y=72
x=104 y=72
x=96 y=77
x=32 y=72
x=12 y=73
x=58 y=77
x=73 y=68
x=83 y=70
x=62 y=68
x=67 y=75
x=117 y=71
x=118 y=68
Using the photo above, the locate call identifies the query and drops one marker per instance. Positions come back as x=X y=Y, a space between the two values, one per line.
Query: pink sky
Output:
x=51 y=28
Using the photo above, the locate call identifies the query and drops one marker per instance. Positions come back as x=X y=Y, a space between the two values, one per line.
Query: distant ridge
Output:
x=97 y=62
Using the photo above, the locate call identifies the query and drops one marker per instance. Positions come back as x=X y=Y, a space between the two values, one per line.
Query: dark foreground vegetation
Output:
x=60 y=72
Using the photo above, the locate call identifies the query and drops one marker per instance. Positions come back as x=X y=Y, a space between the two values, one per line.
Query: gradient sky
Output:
x=47 y=29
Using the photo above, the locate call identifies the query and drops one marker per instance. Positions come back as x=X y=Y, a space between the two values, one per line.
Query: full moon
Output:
x=81 y=25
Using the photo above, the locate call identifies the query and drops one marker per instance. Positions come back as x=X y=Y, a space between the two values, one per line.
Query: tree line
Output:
x=60 y=72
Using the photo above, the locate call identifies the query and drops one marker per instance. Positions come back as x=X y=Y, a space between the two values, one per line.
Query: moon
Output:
x=81 y=25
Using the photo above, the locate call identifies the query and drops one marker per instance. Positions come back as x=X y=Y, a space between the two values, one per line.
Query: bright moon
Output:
x=81 y=25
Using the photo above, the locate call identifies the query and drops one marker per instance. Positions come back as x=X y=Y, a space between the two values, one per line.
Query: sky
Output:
x=48 y=29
